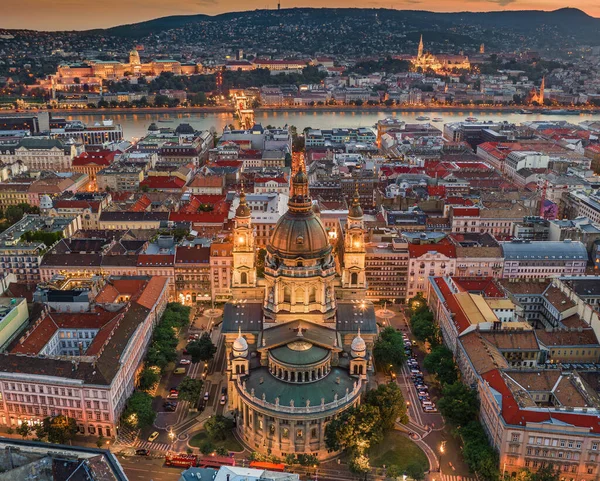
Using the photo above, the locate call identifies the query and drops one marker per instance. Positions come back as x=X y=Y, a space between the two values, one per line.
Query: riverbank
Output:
x=317 y=108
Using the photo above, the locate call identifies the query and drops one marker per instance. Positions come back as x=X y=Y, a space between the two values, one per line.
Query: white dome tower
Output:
x=240 y=346
x=45 y=204
x=359 y=346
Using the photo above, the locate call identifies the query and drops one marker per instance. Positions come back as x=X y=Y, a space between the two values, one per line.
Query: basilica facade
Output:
x=299 y=338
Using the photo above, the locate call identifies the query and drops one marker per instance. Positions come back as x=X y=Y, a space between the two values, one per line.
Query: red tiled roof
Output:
x=199 y=217
x=436 y=190
x=458 y=201
x=207 y=181
x=263 y=180
x=102 y=157
x=416 y=250
x=461 y=321
x=163 y=182
x=155 y=260
x=192 y=255
x=77 y=204
x=465 y=211
x=513 y=414
x=485 y=285
x=141 y=204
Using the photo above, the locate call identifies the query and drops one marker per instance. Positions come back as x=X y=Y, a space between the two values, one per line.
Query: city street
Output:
x=434 y=438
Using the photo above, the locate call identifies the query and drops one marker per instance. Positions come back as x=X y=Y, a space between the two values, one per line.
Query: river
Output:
x=135 y=125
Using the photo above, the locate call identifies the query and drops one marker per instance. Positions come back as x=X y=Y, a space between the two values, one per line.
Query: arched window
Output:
x=354 y=278
x=244 y=278
x=299 y=264
x=287 y=294
x=300 y=295
x=313 y=294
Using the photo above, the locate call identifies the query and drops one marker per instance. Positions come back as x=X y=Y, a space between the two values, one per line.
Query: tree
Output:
x=60 y=429
x=477 y=452
x=440 y=362
x=388 y=399
x=459 y=404
x=138 y=412
x=389 y=348
x=24 y=429
x=40 y=434
x=217 y=427
x=190 y=390
x=545 y=473
x=222 y=451
x=100 y=442
x=202 y=349
x=149 y=377
x=359 y=464
x=207 y=447
x=356 y=429
x=415 y=471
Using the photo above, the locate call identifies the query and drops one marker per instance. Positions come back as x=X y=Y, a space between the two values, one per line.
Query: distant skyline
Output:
x=88 y=14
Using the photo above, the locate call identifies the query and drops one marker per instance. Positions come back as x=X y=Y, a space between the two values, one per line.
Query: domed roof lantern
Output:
x=242 y=210
x=358 y=346
x=355 y=208
x=240 y=345
x=299 y=196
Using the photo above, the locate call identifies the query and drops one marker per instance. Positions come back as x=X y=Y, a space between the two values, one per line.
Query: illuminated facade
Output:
x=296 y=355
x=426 y=60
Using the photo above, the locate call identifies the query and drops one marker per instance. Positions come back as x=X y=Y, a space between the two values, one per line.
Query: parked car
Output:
x=184 y=362
x=223 y=400
x=142 y=452
x=173 y=395
x=153 y=436
x=206 y=395
x=179 y=370
x=429 y=409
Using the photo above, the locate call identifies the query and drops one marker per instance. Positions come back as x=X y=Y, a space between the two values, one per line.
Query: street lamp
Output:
x=442 y=450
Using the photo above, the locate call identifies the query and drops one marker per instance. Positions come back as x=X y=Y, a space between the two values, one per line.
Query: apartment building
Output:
x=83 y=365
x=540 y=260
x=427 y=260
x=386 y=269
x=221 y=264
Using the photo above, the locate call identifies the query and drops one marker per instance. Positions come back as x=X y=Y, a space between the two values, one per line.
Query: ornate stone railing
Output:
x=306 y=409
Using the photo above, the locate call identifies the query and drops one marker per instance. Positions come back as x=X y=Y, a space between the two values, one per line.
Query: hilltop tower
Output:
x=420 y=51
x=482 y=48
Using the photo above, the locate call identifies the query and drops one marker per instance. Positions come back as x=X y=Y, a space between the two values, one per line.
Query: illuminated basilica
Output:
x=299 y=338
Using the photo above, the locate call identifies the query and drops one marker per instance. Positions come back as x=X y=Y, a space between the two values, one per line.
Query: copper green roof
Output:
x=325 y=388
x=299 y=358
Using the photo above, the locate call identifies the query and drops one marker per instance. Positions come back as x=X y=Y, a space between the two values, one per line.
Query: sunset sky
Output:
x=86 y=14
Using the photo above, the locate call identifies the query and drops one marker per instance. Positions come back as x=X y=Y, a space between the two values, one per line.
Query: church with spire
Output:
x=537 y=97
x=298 y=338
x=438 y=63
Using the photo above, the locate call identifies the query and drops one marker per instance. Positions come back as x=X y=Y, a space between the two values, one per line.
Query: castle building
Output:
x=442 y=62
x=297 y=353
x=92 y=72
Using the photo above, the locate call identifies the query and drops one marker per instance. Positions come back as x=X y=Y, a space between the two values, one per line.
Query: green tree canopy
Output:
x=459 y=404
x=138 y=412
x=202 y=349
x=217 y=427
x=190 y=390
x=60 y=429
x=149 y=377
x=355 y=429
x=389 y=348
x=440 y=362
x=415 y=471
x=388 y=399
